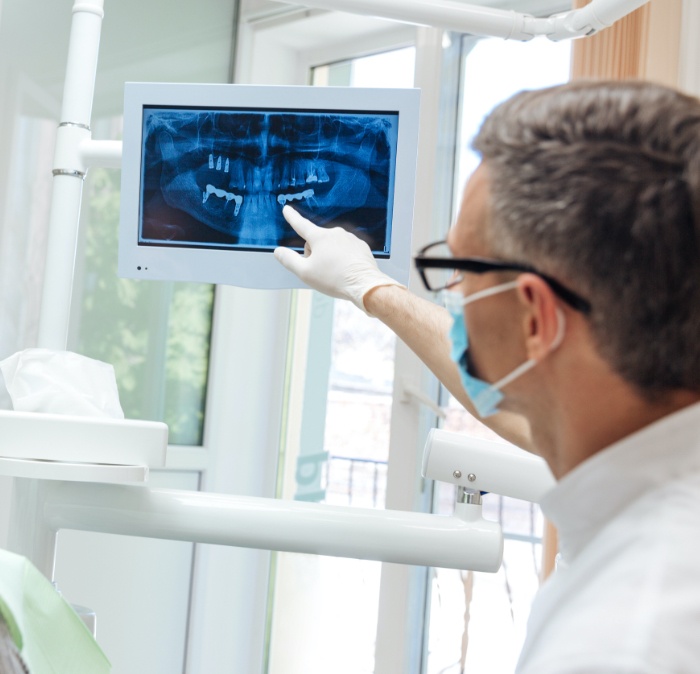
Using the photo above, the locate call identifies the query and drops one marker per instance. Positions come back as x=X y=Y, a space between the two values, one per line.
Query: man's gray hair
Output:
x=598 y=184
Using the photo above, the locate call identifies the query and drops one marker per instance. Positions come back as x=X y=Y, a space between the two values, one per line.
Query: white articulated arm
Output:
x=590 y=19
x=486 y=21
x=485 y=465
x=462 y=541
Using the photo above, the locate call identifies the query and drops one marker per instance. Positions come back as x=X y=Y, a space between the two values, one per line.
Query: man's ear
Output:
x=543 y=320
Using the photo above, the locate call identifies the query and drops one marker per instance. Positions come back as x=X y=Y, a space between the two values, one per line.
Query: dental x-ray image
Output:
x=220 y=177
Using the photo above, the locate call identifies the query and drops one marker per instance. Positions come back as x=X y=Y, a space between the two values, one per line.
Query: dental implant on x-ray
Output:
x=222 y=177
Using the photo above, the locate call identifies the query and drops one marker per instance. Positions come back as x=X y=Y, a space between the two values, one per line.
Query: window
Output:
x=477 y=620
x=336 y=451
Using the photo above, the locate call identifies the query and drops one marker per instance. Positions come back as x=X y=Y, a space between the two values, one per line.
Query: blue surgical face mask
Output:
x=485 y=397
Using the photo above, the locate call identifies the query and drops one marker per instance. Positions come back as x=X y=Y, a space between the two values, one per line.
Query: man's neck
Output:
x=566 y=440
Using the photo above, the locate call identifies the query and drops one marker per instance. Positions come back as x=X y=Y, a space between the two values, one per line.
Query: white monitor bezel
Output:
x=246 y=268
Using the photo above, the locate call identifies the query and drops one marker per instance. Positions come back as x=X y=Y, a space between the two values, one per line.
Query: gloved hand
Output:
x=335 y=262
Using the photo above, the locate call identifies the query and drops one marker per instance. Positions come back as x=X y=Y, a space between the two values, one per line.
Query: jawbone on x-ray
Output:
x=221 y=178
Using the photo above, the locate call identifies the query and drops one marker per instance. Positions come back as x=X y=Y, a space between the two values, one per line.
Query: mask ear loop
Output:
x=561 y=329
x=520 y=370
x=529 y=364
x=454 y=300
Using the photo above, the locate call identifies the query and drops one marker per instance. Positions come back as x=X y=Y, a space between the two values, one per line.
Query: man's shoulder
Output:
x=633 y=592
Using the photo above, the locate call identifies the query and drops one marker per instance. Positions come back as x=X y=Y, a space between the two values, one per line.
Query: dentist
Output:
x=571 y=281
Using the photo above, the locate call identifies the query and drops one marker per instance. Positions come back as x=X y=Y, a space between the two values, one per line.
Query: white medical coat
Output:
x=625 y=598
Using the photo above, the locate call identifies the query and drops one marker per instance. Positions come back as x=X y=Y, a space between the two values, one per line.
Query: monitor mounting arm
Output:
x=486 y=21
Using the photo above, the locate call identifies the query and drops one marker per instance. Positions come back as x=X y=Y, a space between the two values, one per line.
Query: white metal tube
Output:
x=464 y=542
x=445 y=14
x=69 y=172
x=103 y=153
x=30 y=535
x=66 y=193
x=81 y=67
x=603 y=13
x=588 y=20
x=485 y=21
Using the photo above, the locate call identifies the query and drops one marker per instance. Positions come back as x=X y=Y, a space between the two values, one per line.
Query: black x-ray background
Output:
x=220 y=178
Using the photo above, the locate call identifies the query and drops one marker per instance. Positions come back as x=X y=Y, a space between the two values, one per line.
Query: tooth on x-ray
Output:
x=205 y=159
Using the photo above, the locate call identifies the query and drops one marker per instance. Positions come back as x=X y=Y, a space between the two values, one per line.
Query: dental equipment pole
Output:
x=30 y=535
x=486 y=21
x=74 y=151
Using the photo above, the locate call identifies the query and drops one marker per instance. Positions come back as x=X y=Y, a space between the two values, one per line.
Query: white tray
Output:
x=73 y=472
x=83 y=440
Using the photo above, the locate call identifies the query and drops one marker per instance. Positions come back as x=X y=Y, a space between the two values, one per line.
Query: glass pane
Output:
x=477 y=620
x=33 y=53
x=494 y=70
x=347 y=393
x=26 y=160
x=389 y=69
x=359 y=408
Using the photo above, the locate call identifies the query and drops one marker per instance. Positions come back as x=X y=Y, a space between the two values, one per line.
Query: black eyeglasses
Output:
x=439 y=271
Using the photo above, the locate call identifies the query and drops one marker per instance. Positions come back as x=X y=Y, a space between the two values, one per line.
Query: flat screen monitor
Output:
x=207 y=169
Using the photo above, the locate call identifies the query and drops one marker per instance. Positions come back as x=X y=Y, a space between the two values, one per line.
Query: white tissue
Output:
x=61 y=382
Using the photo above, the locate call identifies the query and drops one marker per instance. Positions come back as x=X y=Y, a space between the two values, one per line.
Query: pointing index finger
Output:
x=303 y=227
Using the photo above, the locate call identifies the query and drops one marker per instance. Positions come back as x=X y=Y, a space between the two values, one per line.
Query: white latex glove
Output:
x=335 y=262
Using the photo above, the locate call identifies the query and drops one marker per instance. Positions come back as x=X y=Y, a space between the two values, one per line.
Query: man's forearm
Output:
x=423 y=326
x=339 y=264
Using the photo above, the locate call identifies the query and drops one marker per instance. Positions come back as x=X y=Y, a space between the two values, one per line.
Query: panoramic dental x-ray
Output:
x=221 y=177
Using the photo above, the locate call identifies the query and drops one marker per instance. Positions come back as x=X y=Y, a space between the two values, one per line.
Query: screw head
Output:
x=471 y=477
x=457 y=474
